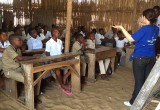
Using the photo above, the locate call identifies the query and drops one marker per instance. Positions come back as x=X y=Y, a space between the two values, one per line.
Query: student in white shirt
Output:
x=54 y=47
x=47 y=33
x=99 y=37
x=109 y=37
x=4 y=43
x=34 y=42
x=120 y=45
x=103 y=64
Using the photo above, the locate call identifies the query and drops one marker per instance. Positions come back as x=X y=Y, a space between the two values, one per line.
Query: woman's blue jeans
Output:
x=141 y=69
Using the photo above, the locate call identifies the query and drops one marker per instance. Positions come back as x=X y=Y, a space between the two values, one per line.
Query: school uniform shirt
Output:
x=91 y=44
x=145 y=39
x=8 y=59
x=158 y=24
x=54 y=47
x=48 y=35
x=120 y=43
x=42 y=37
x=98 y=38
x=76 y=47
x=6 y=44
x=33 y=43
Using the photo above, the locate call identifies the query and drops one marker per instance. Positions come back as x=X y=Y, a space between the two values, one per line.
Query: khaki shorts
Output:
x=17 y=74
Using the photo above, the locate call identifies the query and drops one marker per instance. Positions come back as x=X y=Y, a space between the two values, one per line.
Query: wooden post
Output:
x=91 y=67
x=28 y=83
x=134 y=22
x=76 y=81
x=147 y=87
x=30 y=10
x=68 y=25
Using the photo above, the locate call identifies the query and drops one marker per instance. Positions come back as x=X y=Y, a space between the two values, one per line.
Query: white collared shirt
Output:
x=53 y=47
x=98 y=38
x=42 y=37
x=48 y=35
x=6 y=44
x=33 y=43
x=120 y=43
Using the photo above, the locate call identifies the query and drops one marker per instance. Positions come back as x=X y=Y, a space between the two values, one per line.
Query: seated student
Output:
x=54 y=47
x=99 y=37
x=34 y=42
x=120 y=45
x=79 y=45
x=12 y=69
x=46 y=32
x=103 y=65
x=4 y=43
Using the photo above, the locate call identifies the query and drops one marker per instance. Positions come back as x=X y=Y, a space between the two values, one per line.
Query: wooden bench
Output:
x=99 y=53
x=70 y=60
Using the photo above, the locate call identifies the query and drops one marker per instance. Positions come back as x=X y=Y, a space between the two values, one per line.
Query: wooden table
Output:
x=100 y=53
x=32 y=52
x=70 y=60
x=129 y=50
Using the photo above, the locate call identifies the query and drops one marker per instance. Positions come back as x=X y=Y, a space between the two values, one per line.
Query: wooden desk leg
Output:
x=29 y=88
x=91 y=67
x=113 y=64
x=76 y=81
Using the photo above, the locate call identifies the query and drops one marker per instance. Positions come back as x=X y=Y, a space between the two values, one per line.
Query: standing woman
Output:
x=144 y=51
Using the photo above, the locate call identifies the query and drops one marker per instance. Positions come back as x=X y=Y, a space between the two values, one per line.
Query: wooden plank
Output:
x=34 y=51
x=40 y=77
x=28 y=83
x=91 y=67
x=54 y=65
x=147 y=87
x=75 y=80
x=52 y=58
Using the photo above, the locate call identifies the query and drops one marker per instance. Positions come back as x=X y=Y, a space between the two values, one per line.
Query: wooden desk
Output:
x=99 y=53
x=32 y=52
x=129 y=50
x=70 y=60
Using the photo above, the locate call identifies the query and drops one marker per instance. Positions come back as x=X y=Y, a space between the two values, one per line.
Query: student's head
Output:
x=101 y=31
x=15 y=40
x=33 y=32
x=114 y=30
x=17 y=31
x=79 y=38
x=38 y=29
x=55 y=32
x=92 y=36
x=157 y=10
x=3 y=35
x=120 y=34
x=94 y=30
x=150 y=16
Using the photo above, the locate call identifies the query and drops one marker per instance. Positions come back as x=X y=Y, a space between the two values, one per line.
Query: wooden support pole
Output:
x=134 y=22
x=68 y=25
x=30 y=10
x=29 y=88
x=76 y=80
x=147 y=87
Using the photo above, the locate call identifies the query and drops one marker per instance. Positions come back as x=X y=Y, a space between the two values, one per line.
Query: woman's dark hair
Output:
x=150 y=15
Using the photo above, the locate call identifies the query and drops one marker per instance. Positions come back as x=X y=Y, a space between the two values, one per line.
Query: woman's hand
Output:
x=118 y=27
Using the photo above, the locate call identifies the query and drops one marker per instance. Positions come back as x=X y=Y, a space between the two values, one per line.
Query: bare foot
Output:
x=66 y=87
